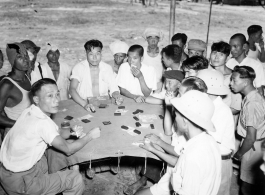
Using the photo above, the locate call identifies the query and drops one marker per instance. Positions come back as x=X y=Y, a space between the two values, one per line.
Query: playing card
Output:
x=106 y=122
x=135 y=118
x=121 y=107
x=85 y=120
x=88 y=116
x=103 y=105
x=161 y=117
x=152 y=126
x=68 y=118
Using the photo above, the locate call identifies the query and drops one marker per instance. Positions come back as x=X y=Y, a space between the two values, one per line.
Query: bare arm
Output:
x=76 y=97
x=146 y=91
x=168 y=120
x=126 y=93
x=262 y=51
x=153 y=100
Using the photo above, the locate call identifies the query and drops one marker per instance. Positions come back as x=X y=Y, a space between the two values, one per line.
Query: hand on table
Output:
x=136 y=72
x=89 y=108
x=147 y=146
x=118 y=98
x=153 y=138
x=139 y=99
x=77 y=131
x=94 y=133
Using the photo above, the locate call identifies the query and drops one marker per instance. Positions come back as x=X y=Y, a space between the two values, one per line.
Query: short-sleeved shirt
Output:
x=107 y=81
x=45 y=72
x=256 y=65
x=252 y=115
x=126 y=80
x=27 y=140
x=198 y=170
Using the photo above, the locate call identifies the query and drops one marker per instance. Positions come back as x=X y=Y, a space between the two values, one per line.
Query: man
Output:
x=238 y=46
x=256 y=43
x=93 y=78
x=36 y=71
x=152 y=56
x=180 y=39
x=251 y=128
x=196 y=47
x=23 y=168
x=224 y=124
x=59 y=70
x=192 y=174
x=119 y=51
x=135 y=79
x=193 y=65
x=15 y=88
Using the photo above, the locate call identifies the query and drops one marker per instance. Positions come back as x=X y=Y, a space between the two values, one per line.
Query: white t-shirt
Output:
x=107 y=81
x=46 y=72
x=254 y=54
x=126 y=80
x=256 y=65
x=27 y=140
x=224 y=124
x=198 y=170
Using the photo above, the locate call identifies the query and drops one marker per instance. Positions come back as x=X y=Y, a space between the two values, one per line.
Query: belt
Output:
x=227 y=157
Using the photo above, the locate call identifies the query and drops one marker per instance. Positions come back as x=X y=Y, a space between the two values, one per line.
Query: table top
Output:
x=113 y=141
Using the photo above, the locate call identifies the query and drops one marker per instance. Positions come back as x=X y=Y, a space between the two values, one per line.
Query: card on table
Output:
x=85 y=120
x=103 y=105
x=68 y=118
x=121 y=107
x=106 y=122
x=161 y=117
x=135 y=118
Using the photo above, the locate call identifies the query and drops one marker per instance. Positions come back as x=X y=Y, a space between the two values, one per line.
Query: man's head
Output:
x=119 y=50
x=192 y=65
x=238 y=45
x=33 y=49
x=53 y=53
x=220 y=52
x=171 y=54
x=255 y=33
x=194 y=110
x=153 y=36
x=196 y=47
x=46 y=95
x=1 y=59
x=17 y=56
x=180 y=39
x=242 y=77
x=173 y=80
x=135 y=55
x=93 y=51
x=192 y=83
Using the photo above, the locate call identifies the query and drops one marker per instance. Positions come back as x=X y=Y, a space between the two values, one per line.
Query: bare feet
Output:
x=132 y=189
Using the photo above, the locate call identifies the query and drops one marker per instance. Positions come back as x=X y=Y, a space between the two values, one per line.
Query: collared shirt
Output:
x=127 y=81
x=107 y=82
x=27 y=140
x=36 y=74
x=198 y=170
x=224 y=124
x=252 y=115
x=256 y=65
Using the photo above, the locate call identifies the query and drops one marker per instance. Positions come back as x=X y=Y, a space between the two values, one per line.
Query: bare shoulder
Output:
x=6 y=86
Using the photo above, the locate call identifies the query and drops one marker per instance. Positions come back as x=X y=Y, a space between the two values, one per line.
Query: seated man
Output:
x=119 y=51
x=135 y=79
x=93 y=78
x=15 y=88
x=23 y=167
x=180 y=39
x=192 y=65
x=196 y=47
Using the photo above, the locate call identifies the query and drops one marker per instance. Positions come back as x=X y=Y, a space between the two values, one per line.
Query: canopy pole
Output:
x=209 y=22
x=172 y=19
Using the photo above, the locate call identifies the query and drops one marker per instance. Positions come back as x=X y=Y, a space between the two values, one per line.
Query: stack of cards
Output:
x=130 y=130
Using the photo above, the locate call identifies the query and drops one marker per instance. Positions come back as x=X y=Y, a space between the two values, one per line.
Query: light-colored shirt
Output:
x=126 y=80
x=107 y=81
x=256 y=65
x=198 y=170
x=254 y=54
x=224 y=124
x=36 y=74
x=252 y=115
x=27 y=140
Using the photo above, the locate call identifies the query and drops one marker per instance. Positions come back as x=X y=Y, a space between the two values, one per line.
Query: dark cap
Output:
x=174 y=74
x=29 y=44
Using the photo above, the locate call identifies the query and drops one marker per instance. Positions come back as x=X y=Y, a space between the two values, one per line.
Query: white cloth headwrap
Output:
x=153 y=32
x=118 y=47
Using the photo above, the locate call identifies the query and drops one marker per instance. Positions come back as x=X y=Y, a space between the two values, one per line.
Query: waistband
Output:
x=227 y=157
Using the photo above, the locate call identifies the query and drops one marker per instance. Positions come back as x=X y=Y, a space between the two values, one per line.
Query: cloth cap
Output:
x=214 y=81
x=29 y=44
x=51 y=46
x=174 y=74
x=13 y=49
x=153 y=32
x=196 y=44
x=118 y=47
x=197 y=107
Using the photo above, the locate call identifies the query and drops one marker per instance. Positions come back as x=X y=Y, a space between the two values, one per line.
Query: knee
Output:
x=77 y=180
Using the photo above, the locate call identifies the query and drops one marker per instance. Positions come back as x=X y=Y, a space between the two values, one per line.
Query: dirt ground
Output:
x=70 y=23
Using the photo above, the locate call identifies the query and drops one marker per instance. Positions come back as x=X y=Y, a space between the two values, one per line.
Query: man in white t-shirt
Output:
x=23 y=167
x=238 y=47
x=135 y=79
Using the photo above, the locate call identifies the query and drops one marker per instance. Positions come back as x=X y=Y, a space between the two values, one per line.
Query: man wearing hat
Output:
x=119 y=51
x=198 y=169
x=196 y=47
x=15 y=88
x=37 y=71
x=152 y=56
x=224 y=124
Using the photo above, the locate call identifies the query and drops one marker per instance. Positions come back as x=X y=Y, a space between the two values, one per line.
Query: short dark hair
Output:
x=174 y=52
x=240 y=36
x=195 y=63
x=253 y=29
x=137 y=48
x=1 y=54
x=37 y=85
x=222 y=47
x=245 y=72
x=180 y=36
x=92 y=44
x=194 y=83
